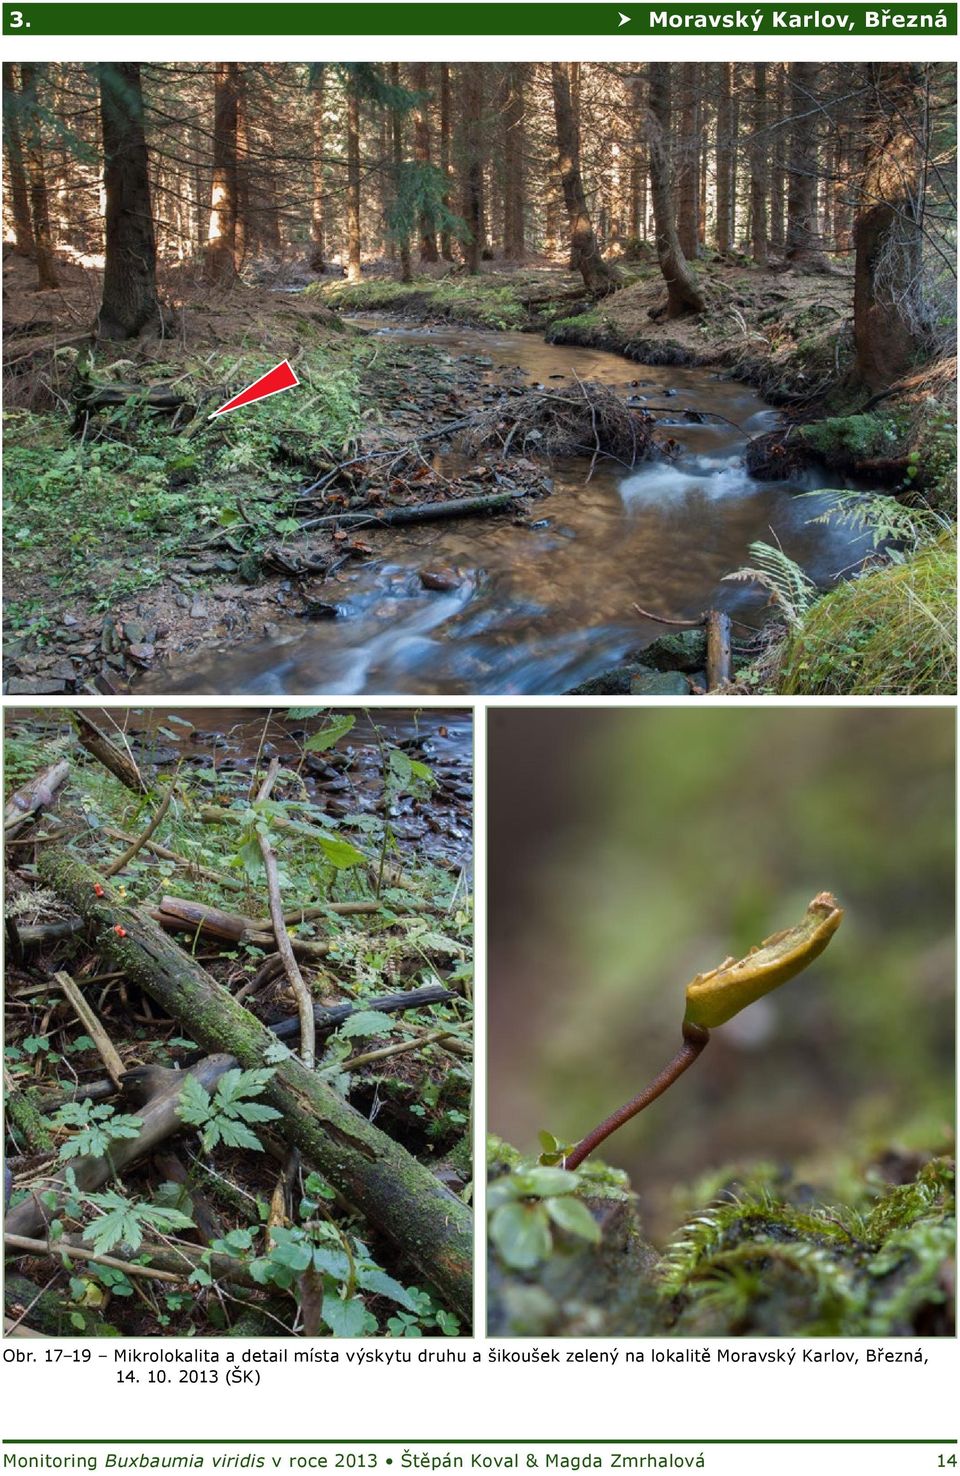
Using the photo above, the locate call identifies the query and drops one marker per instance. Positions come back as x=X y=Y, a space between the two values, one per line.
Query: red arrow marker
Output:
x=274 y=383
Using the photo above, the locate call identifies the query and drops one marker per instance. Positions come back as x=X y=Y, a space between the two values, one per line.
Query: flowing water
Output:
x=543 y=606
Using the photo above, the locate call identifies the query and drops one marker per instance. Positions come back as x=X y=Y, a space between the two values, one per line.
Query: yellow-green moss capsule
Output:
x=716 y=997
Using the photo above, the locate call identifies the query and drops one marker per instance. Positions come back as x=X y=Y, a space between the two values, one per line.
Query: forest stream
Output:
x=545 y=601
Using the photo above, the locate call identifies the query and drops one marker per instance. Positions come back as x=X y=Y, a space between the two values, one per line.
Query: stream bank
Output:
x=538 y=598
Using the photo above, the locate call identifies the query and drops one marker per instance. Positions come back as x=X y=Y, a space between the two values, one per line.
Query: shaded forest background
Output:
x=630 y=851
x=227 y=166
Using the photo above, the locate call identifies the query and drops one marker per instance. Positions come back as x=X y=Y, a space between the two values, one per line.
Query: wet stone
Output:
x=442 y=580
x=682 y=650
x=660 y=684
x=17 y=687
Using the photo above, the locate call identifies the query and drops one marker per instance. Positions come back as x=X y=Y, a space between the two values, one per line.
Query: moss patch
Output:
x=761 y=1258
x=892 y=631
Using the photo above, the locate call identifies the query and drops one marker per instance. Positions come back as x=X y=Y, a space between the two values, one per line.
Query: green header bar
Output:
x=226 y=18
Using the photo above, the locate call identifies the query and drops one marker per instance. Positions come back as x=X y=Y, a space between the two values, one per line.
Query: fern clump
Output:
x=791 y=590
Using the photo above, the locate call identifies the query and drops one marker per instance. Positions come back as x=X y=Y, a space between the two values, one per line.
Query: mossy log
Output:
x=395 y=1193
x=30 y=1308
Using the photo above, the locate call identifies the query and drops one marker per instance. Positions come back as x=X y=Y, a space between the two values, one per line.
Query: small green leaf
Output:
x=521 y=1234
x=365 y=1022
x=546 y=1181
x=341 y=853
x=573 y=1216
x=338 y=728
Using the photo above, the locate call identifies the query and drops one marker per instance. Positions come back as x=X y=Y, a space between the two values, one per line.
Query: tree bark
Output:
x=24 y=244
x=598 y=276
x=421 y=154
x=318 y=188
x=30 y=74
x=473 y=163
x=221 y=253
x=683 y=292
x=804 y=247
x=725 y=156
x=778 y=162
x=446 y=240
x=514 y=194
x=396 y=135
x=688 y=157
x=758 y=166
x=246 y=229
x=354 y=239
x=887 y=303
x=392 y=1190
x=129 y=300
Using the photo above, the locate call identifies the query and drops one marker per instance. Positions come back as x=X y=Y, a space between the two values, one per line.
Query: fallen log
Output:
x=120 y=764
x=328 y=1018
x=177 y=915
x=25 y=804
x=38 y=935
x=718 y=649
x=160 y=1121
x=395 y=1193
x=427 y=512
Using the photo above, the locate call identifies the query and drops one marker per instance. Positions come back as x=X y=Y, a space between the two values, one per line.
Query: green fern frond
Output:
x=881 y=517
x=789 y=587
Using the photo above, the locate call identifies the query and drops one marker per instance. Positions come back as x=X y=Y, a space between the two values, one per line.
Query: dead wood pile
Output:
x=583 y=419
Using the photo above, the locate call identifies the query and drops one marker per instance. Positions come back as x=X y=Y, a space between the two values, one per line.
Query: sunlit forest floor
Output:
x=133 y=532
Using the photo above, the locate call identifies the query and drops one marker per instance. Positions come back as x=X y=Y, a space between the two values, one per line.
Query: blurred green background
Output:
x=630 y=849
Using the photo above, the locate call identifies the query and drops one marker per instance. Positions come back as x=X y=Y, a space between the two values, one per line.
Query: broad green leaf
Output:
x=365 y=1022
x=297 y=1256
x=341 y=853
x=331 y=734
x=374 y=1280
x=521 y=1234
x=346 y=1319
x=335 y=1263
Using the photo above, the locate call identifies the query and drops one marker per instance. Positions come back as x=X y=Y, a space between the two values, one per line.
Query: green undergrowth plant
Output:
x=226 y=1114
x=111 y=508
x=93 y=1128
x=758 y=1253
x=527 y=1205
x=336 y=1281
